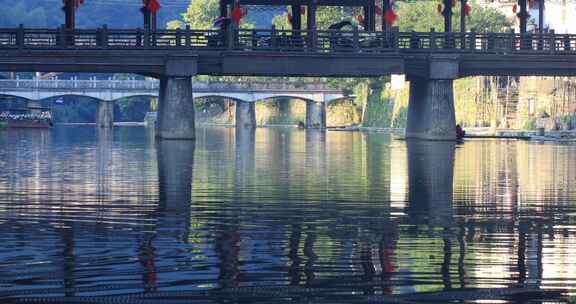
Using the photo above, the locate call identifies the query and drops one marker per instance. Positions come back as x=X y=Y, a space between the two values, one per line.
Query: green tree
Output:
x=423 y=15
x=201 y=14
x=325 y=16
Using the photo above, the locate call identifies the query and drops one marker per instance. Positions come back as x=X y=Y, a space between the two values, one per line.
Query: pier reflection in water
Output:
x=275 y=215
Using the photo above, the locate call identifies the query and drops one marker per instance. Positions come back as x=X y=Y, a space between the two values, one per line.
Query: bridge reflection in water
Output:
x=294 y=214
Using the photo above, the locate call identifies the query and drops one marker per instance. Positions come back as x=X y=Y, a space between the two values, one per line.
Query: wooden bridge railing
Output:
x=286 y=40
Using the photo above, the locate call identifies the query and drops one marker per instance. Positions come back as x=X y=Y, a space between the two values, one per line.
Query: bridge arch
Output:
x=289 y=97
x=97 y=95
x=340 y=99
x=196 y=97
x=3 y=95
x=135 y=96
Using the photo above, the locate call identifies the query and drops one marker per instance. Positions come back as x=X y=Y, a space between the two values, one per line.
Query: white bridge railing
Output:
x=153 y=85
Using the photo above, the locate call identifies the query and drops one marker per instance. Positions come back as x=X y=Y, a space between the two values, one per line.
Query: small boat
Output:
x=40 y=118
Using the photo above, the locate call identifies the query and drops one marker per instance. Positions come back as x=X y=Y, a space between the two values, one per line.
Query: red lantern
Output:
x=153 y=6
x=289 y=18
x=390 y=17
x=237 y=14
x=360 y=19
x=467 y=10
x=515 y=8
x=77 y=4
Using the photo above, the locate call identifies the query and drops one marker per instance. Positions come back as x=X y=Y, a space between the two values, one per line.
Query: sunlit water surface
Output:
x=282 y=215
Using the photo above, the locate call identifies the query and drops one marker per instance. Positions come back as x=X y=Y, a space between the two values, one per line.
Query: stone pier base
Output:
x=175 y=109
x=315 y=115
x=105 y=114
x=431 y=110
x=245 y=115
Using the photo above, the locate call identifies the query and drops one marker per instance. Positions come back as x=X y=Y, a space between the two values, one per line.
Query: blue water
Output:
x=283 y=215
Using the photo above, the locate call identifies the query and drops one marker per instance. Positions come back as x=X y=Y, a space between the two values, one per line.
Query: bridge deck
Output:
x=109 y=90
x=282 y=53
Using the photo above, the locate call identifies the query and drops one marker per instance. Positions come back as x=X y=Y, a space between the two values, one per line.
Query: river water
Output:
x=283 y=215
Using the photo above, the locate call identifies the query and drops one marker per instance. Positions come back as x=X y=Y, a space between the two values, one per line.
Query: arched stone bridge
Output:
x=316 y=95
x=110 y=90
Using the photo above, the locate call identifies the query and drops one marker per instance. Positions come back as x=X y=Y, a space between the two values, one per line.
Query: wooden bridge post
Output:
x=297 y=26
x=146 y=38
x=70 y=21
x=274 y=38
x=104 y=32
x=230 y=33
x=223 y=8
x=356 y=39
x=433 y=38
x=296 y=18
x=70 y=14
x=523 y=16
x=552 y=41
x=541 y=16
x=20 y=36
x=147 y=15
x=62 y=36
x=366 y=12
x=447 y=13
x=541 y=24
x=178 y=37
x=463 y=4
x=385 y=7
x=472 y=37
x=138 y=37
x=311 y=26
x=188 y=39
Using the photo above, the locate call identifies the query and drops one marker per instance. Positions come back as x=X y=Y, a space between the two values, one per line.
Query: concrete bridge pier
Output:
x=105 y=114
x=34 y=106
x=245 y=115
x=431 y=113
x=175 y=108
x=315 y=115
